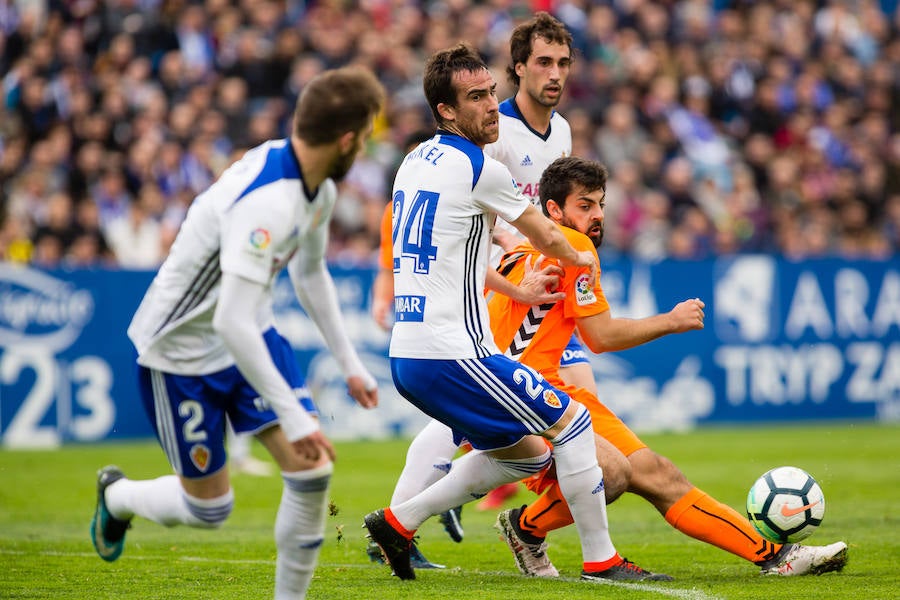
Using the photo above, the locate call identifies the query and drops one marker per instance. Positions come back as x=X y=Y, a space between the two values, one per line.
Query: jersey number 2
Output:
x=413 y=228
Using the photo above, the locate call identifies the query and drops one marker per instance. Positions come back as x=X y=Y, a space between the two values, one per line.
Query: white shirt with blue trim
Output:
x=250 y=222
x=447 y=194
x=526 y=153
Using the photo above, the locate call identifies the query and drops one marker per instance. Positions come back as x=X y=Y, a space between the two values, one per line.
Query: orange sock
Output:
x=393 y=522
x=593 y=567
x=547 y=513
x=704 y=518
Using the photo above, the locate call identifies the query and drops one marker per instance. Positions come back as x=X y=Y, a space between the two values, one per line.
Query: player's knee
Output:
x=210 y=513
x=617 y=473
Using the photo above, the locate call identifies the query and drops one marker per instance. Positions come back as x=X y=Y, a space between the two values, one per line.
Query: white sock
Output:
x=428 y=459
x=472 y=476
x=581 y=482
x=300 y=530
x=164 y=501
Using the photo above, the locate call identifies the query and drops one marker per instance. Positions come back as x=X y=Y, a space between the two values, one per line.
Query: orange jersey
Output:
x=385 y=249
x=537 y=335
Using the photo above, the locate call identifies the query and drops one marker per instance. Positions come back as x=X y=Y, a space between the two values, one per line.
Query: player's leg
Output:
x=240 y=457
x=468 y=397
x=699 y=515
x=471 y=476
x=550 y=511
x=303 y=510
x=302 y=513
x=581 y=482
x=429 y=458
x=657 y=479
x=191 y=431
x=575 y=370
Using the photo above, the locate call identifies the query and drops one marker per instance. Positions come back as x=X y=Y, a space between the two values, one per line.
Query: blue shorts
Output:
x=574 y=353
x=490 y=402
x=188 y=411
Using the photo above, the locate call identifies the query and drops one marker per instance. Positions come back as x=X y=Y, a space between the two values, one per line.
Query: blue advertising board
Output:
x=783 y=341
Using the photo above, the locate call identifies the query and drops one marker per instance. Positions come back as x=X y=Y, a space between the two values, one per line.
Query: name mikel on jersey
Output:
x=425 y=152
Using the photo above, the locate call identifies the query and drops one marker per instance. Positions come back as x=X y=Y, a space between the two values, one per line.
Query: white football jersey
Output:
x=447 y=194
x=250 y=223
x=526 y=153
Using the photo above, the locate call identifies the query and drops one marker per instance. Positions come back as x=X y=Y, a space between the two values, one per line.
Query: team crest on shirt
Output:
x=260 y=238
x=200 y=456
x=584 y=293
x=551 y=399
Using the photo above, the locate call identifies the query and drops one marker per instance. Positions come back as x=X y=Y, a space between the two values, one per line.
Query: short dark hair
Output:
x=439 y=71
x=335 y=102
x=566 y=174
x=542 y=25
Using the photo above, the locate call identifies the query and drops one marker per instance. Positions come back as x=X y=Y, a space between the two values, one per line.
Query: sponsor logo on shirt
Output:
x=526 y=162
x=584 y=293
x=260 y=238
x=409 y=309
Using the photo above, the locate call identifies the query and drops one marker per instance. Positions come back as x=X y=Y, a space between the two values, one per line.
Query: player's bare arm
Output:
x=605 y=333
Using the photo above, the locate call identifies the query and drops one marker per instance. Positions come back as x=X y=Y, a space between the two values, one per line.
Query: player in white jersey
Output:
x=447 y=195
x=532 y=135
x=207 y=346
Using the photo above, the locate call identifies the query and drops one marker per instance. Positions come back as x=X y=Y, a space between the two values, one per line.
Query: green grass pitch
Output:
x=46 y=500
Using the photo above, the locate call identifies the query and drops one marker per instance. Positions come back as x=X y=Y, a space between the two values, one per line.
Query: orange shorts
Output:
x=605 y=424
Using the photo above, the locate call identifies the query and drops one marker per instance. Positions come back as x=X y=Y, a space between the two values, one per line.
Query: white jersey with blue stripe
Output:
x=526 y=153
x=250 y=222
x=446 y=196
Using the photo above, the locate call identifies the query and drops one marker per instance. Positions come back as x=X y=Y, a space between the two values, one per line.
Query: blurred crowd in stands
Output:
x=742 y=126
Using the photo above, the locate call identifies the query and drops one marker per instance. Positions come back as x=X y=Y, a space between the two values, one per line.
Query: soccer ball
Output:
x=785 y=505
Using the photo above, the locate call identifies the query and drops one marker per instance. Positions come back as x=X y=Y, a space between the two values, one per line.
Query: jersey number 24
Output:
x=411 y=228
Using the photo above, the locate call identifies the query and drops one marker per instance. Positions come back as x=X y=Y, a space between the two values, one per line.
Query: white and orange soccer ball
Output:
x=786 y=505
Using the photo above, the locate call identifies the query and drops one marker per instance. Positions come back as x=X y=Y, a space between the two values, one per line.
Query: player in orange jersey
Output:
x=572 y=192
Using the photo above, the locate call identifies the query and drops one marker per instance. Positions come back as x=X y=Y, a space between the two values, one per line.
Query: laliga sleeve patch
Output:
x=260 y=239
x=584 y=293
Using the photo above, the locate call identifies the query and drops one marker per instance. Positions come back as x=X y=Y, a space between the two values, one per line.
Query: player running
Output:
x=207 y=346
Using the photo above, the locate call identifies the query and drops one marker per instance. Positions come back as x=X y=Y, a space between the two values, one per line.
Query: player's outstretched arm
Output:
x=603 y=333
